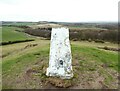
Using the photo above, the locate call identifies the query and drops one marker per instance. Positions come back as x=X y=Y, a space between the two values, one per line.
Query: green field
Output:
x=9 y=34
x=25 y=67
x=24 y=64
x=19 y=23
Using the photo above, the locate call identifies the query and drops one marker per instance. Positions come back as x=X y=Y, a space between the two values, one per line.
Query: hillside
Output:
x=11 y=35
x=24 y=64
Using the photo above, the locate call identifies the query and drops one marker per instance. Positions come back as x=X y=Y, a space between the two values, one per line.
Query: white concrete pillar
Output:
x=60 y=61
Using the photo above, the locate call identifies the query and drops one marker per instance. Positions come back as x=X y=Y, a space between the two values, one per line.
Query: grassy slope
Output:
x=90 y=65
x=9 y=34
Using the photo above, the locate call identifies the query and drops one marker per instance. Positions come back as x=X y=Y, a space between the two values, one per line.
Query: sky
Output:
x=59 y=10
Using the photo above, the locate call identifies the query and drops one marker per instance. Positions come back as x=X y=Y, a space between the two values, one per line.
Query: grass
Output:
x=26 y=68
x=22 y=60
x=9 y=34
x=98 y=55
x=19 y=23
x=24 y=65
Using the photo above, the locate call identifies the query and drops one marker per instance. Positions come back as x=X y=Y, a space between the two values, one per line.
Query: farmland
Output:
x=99 y=32
x=24 y=64
x=9 y=34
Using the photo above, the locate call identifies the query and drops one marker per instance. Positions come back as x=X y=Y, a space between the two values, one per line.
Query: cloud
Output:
x=59 y=10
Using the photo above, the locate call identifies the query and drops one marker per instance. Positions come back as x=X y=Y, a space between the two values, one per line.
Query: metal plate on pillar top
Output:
x=60 y=61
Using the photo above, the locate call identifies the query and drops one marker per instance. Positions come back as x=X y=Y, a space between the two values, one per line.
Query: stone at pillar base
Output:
x=59 y=73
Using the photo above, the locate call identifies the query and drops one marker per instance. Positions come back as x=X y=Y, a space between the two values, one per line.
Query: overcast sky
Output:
x=59 y=10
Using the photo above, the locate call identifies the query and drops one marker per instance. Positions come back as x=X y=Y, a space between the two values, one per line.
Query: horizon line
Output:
x=61 y=21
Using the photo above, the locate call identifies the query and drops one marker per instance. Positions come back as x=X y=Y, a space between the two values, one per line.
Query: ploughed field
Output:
x=24 y=64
